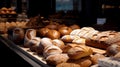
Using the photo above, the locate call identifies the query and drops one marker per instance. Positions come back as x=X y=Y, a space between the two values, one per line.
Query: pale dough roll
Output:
x=51 y=50
x=59 y=43
x=30 y=34
x=46 y=42
x=34 y=43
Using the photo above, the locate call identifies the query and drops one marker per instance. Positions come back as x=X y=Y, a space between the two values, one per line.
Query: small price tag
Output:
x=101 y=20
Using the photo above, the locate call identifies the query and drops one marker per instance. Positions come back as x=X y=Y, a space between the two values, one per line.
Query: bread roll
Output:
x=7 y=25
x=85 y=32
x=59 y=43
x=30 y=34
x=52 y=26
x=46 y=42
x=68 y=65
x=43 y=31
x=51 y=50
x=18 y=35
x=3 y=28
x=57 y=59
x=34 y=44
x=13 y=24
x=80 y=41
x=53 y=34
x=69 y=46
x=83 y=62
x=65 y=30
x=74 y=26
x=112 y=50
x=79 y=52
x=69 y=38
x=96 y=57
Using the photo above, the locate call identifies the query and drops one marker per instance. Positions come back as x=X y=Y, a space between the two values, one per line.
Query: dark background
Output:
x=10 y=58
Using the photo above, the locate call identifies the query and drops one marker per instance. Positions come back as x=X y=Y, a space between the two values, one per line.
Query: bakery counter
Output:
x=35 y=61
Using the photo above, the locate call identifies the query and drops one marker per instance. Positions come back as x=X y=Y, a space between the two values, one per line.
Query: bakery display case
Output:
x=62 y=39
x=55 y=44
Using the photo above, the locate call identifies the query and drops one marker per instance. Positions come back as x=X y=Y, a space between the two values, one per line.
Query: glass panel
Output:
x=64 y=5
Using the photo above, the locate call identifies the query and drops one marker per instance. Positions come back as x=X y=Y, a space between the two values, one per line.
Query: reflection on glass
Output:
x=64 y=5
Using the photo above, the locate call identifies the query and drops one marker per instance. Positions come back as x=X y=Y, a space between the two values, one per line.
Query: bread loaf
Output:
x=56 y=59
x=79 y=52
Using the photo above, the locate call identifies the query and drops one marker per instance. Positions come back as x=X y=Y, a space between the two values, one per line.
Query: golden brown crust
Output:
x=69 y=38
x=42 y=31
x=68 y=65
x=65 y=30
x=52 y=26
x=83 y=62
x=69 y=46
x=79 y=52
x=59 y=43
x=57 y=59
x=53 y=34
x=74 y=26
x=96 y=57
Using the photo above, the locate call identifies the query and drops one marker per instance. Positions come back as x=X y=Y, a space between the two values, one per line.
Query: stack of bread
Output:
x=62 y=45
x=5 y=26
x=96 y=38
x=6 y=11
